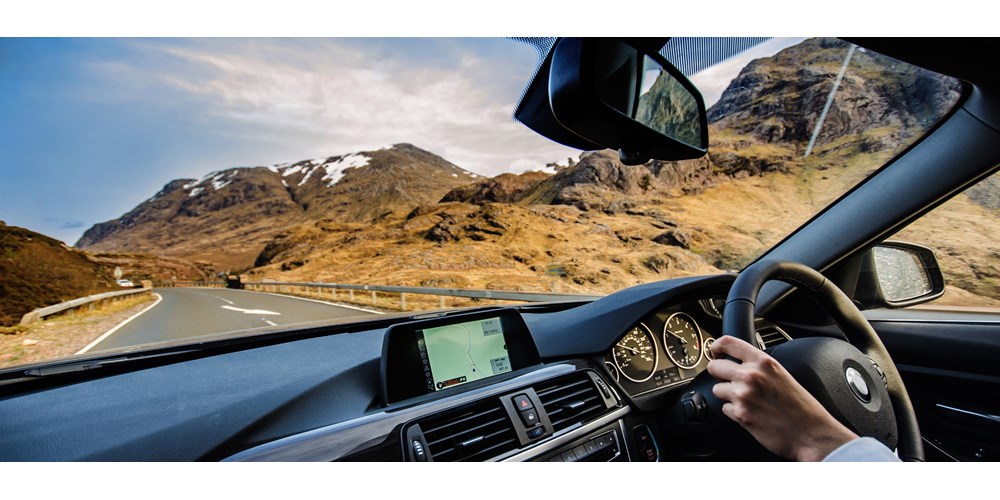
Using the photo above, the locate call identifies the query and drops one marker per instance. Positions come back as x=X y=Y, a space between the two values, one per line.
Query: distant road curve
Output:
x=190 y=312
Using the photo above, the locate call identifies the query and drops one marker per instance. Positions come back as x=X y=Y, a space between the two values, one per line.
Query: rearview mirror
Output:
x=896 y=274
x=622 y=94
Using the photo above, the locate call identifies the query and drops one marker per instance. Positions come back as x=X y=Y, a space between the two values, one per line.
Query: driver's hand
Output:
x=762 y=396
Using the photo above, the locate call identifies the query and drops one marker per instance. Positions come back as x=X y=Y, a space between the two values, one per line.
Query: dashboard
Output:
x=520 y=406
x=568 y=382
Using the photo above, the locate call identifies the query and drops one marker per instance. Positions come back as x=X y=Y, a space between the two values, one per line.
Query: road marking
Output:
x=123 y=323
x=224 y=300
x=312 y=300
x=272 y=323
x=251 y=311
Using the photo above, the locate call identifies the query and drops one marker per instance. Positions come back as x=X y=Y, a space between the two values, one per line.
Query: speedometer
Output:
x=682 y=340
x=635 y=354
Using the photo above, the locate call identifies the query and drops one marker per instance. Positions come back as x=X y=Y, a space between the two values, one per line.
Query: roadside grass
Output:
x=64 y=335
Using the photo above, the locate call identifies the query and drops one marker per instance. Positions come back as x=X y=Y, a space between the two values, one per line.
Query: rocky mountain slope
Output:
x=404 y=216
x=226 y=217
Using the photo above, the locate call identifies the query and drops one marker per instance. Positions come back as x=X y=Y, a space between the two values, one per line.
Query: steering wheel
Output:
x=856 y=381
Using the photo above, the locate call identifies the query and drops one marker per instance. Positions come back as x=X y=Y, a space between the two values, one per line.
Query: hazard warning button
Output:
x=522 y=403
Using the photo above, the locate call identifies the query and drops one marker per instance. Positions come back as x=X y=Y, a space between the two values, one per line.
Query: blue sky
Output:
x=92 y=127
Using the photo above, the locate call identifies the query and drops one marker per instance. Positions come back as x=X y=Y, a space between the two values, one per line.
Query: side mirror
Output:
x=619 y=94
x=896 y=274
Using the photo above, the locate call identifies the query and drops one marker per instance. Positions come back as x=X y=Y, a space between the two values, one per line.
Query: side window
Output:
x=964 y=234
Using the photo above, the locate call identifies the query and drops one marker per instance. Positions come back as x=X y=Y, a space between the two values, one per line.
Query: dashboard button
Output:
x=530 y=418
x=604 y=441
x=647 y=444
x=418 y=451
x=521 y=402
x=689 y=409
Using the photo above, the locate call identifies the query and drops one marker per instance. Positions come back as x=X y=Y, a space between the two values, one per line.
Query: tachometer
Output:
x=682 y=340
x=708 y=347
x=635 y=354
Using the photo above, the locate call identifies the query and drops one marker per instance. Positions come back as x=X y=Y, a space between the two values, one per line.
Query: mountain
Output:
x=779 y=99
x=605 y=225
x=227 y=217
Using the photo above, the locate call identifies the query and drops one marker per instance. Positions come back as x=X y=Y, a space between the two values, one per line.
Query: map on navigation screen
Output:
x=456 y=354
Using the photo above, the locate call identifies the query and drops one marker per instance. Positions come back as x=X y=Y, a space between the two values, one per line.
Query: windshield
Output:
x=160 y=190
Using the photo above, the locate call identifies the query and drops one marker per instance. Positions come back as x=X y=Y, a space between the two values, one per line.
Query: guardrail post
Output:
x=350 y=293
x=402 y=301
x=441 y=301
x=373 y=297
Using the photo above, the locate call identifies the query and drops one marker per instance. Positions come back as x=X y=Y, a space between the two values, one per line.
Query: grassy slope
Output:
x=39 y=271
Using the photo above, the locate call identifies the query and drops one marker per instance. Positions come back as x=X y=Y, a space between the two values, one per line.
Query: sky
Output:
x=91 y=127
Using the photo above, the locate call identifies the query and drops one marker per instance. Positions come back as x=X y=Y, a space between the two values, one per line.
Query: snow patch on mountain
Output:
x=291 y=171
x=335 y=169
x=309 y=174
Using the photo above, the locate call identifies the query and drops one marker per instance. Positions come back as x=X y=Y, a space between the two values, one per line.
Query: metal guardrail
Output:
x=419 y=290
x=90 y=300
x=174 y=284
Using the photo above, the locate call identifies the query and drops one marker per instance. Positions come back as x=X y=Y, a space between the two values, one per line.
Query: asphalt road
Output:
x=190 y=312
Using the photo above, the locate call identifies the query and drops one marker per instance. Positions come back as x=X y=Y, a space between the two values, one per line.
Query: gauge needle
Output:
x=634 y=351
x=682 y=339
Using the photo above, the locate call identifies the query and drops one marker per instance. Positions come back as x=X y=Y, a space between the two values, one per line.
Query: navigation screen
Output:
x=456 y=354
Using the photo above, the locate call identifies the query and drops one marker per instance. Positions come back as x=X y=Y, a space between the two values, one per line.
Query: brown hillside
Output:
x=227 y=217
x=39 y=271
x=137 y=267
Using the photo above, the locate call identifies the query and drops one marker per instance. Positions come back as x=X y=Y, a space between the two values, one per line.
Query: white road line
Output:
x=272 y=323
x=251 y=311
x=123 y=323
x=312 y=300
x=224 y=300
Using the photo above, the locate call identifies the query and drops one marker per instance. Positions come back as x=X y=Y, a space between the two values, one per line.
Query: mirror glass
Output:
x=667 y=106
x=901 y=274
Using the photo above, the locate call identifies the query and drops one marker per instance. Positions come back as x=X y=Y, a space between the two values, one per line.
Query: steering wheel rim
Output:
x=738 y=321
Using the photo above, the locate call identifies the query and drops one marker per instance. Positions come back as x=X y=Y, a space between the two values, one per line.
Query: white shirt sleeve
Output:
x=864 y=449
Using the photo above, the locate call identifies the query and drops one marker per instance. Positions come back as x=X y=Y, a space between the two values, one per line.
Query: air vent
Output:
x=770 y=336
x=570 y=400
x=474 y=432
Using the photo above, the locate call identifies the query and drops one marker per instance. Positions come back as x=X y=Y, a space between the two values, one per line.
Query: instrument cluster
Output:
x=666 y=348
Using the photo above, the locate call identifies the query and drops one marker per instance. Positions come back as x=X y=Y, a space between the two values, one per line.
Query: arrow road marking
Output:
x=251 y=311
x=272 y=323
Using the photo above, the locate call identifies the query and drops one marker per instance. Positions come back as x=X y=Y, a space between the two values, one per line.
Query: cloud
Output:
x=332 y=97
x=73 y=224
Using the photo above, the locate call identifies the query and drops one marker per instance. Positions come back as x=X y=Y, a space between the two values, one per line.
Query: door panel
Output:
x=951 y=367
